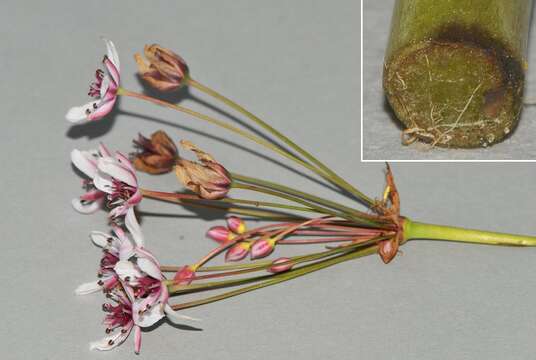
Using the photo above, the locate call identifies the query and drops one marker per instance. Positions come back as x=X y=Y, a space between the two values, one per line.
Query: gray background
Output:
x=381 y=131
x=295 y=63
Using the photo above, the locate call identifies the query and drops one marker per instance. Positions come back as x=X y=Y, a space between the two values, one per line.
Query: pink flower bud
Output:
x=262 y=248
x=220 y=234
x=238 y=252
x=236 y=224
x=280 y=265
x=184 y=276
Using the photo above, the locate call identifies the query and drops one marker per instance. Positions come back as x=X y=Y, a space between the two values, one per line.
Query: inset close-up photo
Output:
x=448 y=80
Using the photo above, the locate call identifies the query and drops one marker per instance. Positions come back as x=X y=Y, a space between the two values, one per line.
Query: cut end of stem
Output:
x=460 y=89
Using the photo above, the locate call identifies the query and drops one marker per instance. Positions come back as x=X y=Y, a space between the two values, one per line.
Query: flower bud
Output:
x=387 y=250
x=236 y=224
x=184 y=276
x=156 y=155
x=220 y=234
x=206 y=178
x=238 y=252
x=262 y=248
x=166 y=70
x=280 y=265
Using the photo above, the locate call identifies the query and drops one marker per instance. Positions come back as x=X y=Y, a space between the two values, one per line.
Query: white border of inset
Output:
x=402 y=161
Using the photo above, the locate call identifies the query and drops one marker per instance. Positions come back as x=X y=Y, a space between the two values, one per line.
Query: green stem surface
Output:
x=416 y=230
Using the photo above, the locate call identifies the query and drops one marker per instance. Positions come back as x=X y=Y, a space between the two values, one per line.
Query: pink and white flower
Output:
x=119 y=318
x=115 y=249
x=104 y=90
x=86 y=162
x=138 y=291
x=116 y=177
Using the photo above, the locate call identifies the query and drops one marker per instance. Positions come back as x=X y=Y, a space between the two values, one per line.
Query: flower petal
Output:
x=110 y=342
x=103 y=108
x=99 y=238
x=175 y=316
x=103 y=182
x=79 y=113
x=84 y=161
x=150 y=268
x=134 y=227
x=84 y=207
x=87 y=288
x=111 y=51
x=148 y=317
x=113 y=76
x=137 y=339
x=126 y=250
x=104 y=86
x=127 y=271
x=103 y=150
x=123 y=160
x=114 y=169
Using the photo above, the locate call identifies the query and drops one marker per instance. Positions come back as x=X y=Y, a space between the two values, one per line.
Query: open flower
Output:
x=139 y=294
x=207 y=178
x=166 y=70
x=86 y=162
x=104 y=90
x=116 y=249
x=142 y=274
x=119 y=321
x=156 y=155
x=117 y=178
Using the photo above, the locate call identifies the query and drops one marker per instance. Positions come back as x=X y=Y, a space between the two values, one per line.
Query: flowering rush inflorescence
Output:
x=138 y=294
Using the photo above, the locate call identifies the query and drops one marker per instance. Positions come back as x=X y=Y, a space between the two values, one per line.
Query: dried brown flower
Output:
x=207 y=178
x=166 y=71
x=156 y=155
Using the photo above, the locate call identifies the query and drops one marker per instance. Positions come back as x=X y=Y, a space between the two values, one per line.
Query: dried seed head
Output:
x=156 y=155
x=165 y=70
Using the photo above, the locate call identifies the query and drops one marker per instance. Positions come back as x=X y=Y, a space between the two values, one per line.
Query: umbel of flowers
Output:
x=139 y=291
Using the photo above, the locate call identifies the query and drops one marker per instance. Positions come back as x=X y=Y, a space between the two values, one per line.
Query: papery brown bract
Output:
x=389 y=208
x=387 y=250
x=207 y=178
x=166 y=71
x=157 y=155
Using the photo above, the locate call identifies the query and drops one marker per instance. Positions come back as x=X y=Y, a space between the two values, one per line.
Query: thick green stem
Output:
x=332 y=176
x=454 y=70
x=417 y=230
